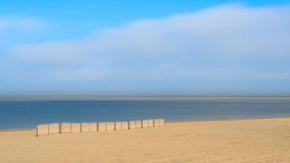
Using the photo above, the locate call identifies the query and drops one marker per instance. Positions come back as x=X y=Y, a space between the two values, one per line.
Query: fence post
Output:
x=37 y=130
x=81 y=127
x=60 y=126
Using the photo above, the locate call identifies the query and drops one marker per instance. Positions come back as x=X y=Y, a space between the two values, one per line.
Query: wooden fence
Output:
x=58 y=128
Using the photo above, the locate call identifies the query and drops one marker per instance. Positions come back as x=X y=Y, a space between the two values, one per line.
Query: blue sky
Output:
x=152 y=47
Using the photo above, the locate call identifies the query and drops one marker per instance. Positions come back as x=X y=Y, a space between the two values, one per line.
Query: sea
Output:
x=27 y=114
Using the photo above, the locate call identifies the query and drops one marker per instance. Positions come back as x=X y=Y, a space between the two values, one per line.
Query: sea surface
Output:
x=27 y=114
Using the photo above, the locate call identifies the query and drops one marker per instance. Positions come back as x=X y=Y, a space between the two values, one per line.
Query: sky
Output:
x=145 y=47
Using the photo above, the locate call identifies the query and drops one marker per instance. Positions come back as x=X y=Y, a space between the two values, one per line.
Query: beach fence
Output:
x=59 y=128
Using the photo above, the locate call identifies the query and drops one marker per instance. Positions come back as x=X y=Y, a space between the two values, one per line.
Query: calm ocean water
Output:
x=27 y=114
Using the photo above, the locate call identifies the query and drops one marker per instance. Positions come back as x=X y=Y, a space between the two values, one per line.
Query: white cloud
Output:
x=209 y=45
x=20 y=23
x=15 y=28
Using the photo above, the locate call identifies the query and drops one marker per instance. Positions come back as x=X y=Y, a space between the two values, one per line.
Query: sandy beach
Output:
x=225 y=141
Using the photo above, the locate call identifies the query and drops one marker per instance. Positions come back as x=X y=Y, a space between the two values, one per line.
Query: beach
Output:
x=220 y=141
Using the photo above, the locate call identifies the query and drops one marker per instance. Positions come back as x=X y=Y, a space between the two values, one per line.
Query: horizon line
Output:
x=134 y=98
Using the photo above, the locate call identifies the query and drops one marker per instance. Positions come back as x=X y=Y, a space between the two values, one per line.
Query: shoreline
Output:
x=241 y=119
x=173 y=122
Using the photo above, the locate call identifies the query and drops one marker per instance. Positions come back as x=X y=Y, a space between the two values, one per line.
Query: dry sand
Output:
x=257 y=140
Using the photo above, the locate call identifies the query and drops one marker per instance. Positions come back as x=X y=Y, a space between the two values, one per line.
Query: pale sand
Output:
x=258 y=140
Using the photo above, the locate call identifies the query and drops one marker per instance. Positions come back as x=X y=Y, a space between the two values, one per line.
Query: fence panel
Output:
x=102 y=126
x=93 y=126
x=75 y=127
x=110 y=126
x=144 y=123
x=161 y=122
x=156 y=122
x=85 y=127
x=125 y=125
x=132 y=125
x=138 y=124
x=42 y=130
x=118 y=125
x=150 y=123
x=53 y=128
x=65 y=127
